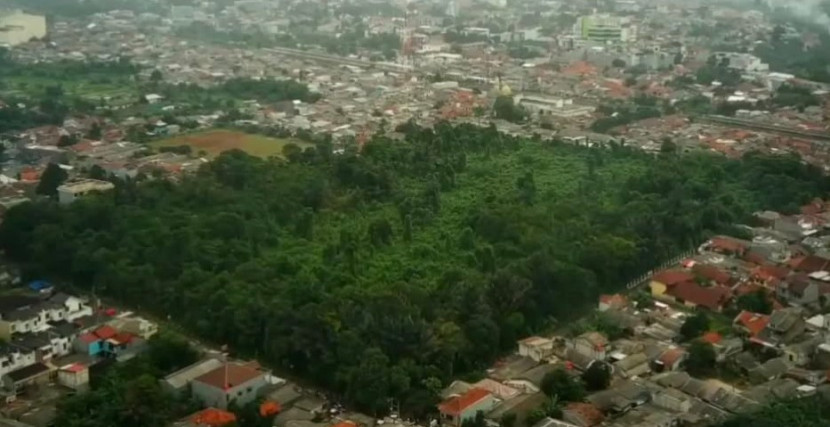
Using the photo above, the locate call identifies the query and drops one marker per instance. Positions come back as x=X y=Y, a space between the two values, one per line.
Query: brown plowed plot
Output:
x=215 y=142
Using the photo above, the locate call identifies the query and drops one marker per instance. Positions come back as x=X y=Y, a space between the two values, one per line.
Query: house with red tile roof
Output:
x=671 y=359
x=750 y=323
x=694 y=295
x=769 y=275
x=231 y=382
x=465 y=407
x=662 y=280
x=582 y=414
x=711 y=273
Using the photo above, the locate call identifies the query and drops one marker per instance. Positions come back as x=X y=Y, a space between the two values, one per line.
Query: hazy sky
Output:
x=809 y=10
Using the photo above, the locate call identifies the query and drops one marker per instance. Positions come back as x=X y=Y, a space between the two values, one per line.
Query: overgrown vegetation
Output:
x=385 y=273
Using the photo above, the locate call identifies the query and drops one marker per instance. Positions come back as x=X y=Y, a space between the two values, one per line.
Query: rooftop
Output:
x=229 y=375
x=753 y=322
x=212 y=417
x=184 y=376
x=28 y=372
x=85 y=185
x=457 y=405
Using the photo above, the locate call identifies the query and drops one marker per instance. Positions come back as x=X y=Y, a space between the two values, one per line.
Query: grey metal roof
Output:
x=184 y=376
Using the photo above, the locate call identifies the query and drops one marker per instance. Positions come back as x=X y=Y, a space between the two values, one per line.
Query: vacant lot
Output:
x=214 y=142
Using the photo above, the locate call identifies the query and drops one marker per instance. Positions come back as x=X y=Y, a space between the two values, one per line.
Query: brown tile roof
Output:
x=712 y=298
x=727 y=244
x=712 y=273
x=672 y=277
x=811 y=264
x=770 y=272
x=236 y=375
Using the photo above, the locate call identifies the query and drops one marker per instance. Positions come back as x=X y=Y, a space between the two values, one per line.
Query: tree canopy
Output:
x=385 y=272
x=695 y=326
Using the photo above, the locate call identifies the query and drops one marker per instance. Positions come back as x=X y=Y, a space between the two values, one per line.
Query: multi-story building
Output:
x=540 y=106
x=36 y=315
x=231 y=382
x=13 y=358
x=605 y=28
x=71 y=191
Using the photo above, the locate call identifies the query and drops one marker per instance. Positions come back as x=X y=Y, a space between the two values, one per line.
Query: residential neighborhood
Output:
x=782 y=353
x=384 y=213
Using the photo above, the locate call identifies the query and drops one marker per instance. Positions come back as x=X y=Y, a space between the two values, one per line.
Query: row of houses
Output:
x=56 y=338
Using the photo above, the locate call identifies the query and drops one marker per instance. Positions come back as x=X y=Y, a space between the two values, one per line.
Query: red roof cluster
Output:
x=103 y=333
x=457 y=405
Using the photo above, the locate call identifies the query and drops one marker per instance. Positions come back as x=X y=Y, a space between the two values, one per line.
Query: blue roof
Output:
x=39 y=285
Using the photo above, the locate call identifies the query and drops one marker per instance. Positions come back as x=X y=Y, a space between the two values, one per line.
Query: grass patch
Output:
x=92 y=89
x=214 y=142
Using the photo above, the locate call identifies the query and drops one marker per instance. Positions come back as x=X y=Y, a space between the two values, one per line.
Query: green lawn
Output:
x=214 y=142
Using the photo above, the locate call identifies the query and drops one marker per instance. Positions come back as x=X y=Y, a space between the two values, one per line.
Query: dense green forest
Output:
x=387 y=272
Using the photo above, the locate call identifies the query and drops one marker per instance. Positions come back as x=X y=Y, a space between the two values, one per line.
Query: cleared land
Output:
x=214 y=142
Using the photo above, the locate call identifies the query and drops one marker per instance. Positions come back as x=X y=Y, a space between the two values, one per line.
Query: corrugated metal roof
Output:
x=182 y=377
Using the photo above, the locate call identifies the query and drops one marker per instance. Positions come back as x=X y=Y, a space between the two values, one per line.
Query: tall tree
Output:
x=52 y=178
x=563 y=386
x=702 y=358
x=695 y=326
x=597 y=376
